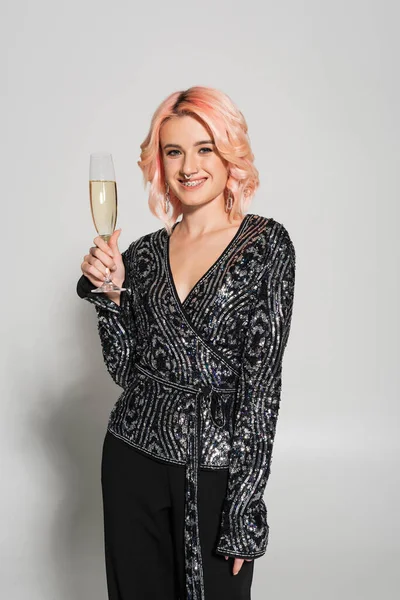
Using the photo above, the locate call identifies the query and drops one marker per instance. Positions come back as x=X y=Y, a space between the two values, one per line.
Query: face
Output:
x=187 y=148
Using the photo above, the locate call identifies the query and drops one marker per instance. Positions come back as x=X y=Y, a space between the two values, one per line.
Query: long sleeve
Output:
x=244 y=527
x=115 y=323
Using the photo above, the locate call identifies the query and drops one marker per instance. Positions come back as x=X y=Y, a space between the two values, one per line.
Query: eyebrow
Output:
x=196 y=144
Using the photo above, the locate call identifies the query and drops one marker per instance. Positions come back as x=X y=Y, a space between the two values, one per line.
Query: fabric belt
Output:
x=194 y=579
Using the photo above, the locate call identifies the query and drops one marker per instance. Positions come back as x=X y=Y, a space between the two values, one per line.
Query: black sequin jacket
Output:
x=201 y=378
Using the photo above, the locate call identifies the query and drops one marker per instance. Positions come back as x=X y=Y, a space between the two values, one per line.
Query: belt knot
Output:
x=215 y=403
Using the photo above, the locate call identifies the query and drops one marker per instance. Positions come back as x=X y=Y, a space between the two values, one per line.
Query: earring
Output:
x=167 y=199
x=229 y=202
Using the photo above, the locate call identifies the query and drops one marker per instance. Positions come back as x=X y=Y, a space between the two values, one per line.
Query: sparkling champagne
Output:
x=103 y=204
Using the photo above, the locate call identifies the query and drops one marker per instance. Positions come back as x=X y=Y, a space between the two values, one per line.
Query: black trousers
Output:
x=143 y=502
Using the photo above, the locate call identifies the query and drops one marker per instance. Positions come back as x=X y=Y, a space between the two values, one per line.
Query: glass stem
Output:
x=107 y=279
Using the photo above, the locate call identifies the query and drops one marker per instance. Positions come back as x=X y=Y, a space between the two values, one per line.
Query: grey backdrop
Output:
x=318 y=84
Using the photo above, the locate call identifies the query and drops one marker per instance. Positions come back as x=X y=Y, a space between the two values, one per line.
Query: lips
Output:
x=201 y=181
x=190 y=180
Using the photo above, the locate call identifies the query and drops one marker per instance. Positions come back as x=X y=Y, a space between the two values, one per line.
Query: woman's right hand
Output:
x=104 y=256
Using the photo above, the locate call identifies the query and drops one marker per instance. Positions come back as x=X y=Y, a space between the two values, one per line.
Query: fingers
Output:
x=237 y=563
x=103 y=246
x=97 y=267
x=92 y=272
x=106 y=252
x=102 y=257
x=113 y=241
x=98 y=256
x=96 y=277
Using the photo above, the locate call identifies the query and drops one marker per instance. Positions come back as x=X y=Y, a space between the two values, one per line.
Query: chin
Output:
x=195 y=199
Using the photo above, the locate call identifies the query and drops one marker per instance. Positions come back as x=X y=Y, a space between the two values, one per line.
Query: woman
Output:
x=196 y=342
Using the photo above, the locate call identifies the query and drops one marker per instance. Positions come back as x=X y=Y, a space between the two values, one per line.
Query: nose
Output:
x=189 y=165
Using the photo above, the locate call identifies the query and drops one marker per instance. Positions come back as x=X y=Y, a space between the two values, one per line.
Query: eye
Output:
x=171 y=152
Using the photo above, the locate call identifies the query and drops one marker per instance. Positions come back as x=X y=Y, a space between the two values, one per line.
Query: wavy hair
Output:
x=228 y=128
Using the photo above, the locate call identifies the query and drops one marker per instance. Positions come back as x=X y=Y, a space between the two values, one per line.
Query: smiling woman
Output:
x=200 y=134
x=196 y=342
x=197 y=160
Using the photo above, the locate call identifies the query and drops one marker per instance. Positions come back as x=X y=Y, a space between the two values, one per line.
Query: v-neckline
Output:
x=215 y=263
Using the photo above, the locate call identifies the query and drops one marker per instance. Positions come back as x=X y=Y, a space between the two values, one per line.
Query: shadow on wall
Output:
x=71 y=430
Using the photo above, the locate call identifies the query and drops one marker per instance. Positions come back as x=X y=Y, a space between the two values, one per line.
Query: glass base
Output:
x=108 y=287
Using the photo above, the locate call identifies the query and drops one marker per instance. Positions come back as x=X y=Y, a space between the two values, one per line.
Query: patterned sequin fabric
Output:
x=202 y=378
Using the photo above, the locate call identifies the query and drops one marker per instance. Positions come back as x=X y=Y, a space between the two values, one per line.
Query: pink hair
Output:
x=228 y=128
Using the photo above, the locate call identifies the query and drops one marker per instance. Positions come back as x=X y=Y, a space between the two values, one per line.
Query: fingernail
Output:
x=235 y=572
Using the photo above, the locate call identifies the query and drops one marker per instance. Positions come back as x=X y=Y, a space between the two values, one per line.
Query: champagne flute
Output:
x=103 y=204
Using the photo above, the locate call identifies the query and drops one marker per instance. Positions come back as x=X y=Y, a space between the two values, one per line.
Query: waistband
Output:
x=207 y=391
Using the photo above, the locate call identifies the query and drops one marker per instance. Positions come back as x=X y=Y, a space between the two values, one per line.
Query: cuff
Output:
x=247 y=537
x=84 y=289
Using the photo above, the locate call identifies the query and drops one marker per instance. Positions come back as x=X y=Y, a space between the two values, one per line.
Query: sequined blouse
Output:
x=202 y=378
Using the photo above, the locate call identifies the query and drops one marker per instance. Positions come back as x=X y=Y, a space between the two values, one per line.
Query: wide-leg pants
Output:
x=143 y=503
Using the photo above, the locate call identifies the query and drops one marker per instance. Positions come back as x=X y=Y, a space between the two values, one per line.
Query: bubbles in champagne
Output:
x=103 y=204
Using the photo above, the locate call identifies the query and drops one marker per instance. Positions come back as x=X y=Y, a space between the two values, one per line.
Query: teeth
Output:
x=192 y=183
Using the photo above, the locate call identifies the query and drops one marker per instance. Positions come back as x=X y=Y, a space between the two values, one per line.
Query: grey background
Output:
x=318 y=84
